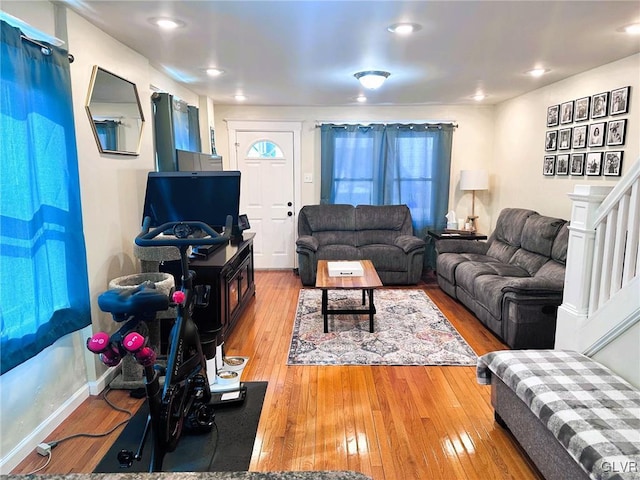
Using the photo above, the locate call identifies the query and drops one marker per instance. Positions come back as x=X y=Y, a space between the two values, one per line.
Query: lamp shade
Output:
x=474 y=180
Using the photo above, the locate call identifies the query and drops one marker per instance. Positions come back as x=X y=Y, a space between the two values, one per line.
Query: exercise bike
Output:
x=182 y=403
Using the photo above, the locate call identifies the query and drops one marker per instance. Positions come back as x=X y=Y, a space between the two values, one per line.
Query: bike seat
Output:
x=142 y=300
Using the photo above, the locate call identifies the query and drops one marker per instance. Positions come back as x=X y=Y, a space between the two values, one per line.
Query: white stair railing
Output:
x=602 y=285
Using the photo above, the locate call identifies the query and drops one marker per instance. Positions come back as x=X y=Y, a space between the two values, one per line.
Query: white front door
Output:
x=266 y=162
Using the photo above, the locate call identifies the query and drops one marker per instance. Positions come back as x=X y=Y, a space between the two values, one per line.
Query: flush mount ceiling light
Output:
x=361 y=98
x=404 y=28
x=214 y=72
x=537 y=72
x=372 y=79
x=478 y=97
x=240 y=97
x=166 y=23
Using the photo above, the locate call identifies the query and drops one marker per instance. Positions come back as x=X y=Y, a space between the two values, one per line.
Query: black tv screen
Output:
x=192 y=196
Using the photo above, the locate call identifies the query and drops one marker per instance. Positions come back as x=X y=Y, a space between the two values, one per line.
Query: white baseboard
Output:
x=28 y=445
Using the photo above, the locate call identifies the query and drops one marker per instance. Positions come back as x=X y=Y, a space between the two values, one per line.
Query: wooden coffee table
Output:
x=367 y=283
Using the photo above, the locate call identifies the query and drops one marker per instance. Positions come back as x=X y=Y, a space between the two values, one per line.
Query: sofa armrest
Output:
x=307 y=242
x=461 y=246
x=409 y=243
x=536 y=287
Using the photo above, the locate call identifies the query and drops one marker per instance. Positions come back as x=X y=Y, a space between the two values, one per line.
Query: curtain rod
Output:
x=45 y=48
x=365 y=124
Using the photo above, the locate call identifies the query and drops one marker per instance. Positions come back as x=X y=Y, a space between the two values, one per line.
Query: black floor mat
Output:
x=226 y=448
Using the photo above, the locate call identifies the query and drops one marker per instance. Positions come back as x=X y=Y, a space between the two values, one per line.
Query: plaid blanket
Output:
x=592 y=412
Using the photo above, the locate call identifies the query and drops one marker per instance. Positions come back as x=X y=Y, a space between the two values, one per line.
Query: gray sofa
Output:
x=382 y=234
x=514 y=281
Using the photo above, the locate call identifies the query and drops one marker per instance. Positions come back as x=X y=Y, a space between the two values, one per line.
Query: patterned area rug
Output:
x=408 y=330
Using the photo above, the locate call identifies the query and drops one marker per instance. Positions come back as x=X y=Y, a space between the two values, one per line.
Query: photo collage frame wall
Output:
x=586 y=136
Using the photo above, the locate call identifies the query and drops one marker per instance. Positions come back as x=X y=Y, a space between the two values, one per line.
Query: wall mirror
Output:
x=115 y=113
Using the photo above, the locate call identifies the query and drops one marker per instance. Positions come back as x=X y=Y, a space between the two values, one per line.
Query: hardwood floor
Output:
x=387 y=422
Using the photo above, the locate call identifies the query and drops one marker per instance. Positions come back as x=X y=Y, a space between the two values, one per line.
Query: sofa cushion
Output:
x=501 y=251
x=529 y=261
x=322 y=218
x=560 y=244
x=467 y=272
x=381 y=224
x=510 y=224
x=539 y=232
x=448 y=262
x=385 y=257
x=338 y=252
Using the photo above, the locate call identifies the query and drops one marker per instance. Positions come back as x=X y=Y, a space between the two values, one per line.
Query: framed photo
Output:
x=580 y=136
x=577 y=164
x=566 y=112
x=553 y=115
x=582 y=109
x=599 y=104
x=564 y=139
x=551 y=141
x=619 y=101
x=549 y=165
x=596 y=134
x=612 y=163
x=562 y=164
x=593 y=163
x=615 y=132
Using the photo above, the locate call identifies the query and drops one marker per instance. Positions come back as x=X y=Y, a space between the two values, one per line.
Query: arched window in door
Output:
x=265 y=149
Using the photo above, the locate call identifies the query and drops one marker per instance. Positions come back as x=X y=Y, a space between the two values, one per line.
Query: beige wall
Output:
x=472 y=140
x=520 y=126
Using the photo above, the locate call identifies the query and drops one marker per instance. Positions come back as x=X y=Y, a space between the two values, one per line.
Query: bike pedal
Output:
x=125 y=458
x=200 y=419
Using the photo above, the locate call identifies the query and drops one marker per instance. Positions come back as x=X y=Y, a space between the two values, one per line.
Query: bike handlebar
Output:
x=148 y=238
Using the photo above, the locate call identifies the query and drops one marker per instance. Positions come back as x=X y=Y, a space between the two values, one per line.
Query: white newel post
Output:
x=575 y=302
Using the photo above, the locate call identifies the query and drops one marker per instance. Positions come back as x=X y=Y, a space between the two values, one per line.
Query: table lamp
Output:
x=473 y=180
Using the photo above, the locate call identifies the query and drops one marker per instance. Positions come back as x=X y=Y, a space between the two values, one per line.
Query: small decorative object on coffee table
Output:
x=366 y=282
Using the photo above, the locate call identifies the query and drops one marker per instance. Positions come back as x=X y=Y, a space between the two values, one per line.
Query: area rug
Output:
x=408 y=330
x=227 y=448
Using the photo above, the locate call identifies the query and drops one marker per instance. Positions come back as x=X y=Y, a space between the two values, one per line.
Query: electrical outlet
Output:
x=308 y=178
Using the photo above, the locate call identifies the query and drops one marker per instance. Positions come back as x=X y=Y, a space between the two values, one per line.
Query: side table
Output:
x=455 y=234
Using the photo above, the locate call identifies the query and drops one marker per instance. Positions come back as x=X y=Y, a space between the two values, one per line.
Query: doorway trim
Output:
x=234 y=126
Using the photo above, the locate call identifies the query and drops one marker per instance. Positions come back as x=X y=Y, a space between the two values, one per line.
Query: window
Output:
x=389 y=164
x=44 y=289
x=265 y=149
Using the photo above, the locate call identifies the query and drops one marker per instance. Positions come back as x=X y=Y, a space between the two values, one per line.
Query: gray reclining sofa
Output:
x=382 y=234
x=514 y=281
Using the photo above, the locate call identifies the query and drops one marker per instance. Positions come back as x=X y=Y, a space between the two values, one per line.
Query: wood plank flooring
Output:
x=387 y=422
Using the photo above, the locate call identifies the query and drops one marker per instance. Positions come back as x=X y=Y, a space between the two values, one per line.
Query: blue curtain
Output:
x=389 y=164
x=107 y=134
x=44 y=291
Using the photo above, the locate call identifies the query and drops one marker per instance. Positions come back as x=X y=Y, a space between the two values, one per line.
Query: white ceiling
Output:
x=306 y=52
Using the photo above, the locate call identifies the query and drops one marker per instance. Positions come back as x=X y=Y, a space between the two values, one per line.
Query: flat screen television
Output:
x=196 y=161
x=193 y=196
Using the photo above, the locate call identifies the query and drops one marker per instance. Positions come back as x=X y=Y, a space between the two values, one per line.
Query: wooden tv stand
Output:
x=229 y=271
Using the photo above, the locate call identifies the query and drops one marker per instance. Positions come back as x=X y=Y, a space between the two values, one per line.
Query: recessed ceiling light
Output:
x=631 y=29
x=166 y=23
x=214 y=72
x=404 y=28
x=240 y=97
x=478 y=97
x=538 y=72
x=361 y=98
x=372 y=79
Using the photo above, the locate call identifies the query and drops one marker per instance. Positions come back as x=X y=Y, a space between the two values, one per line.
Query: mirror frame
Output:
x=94 y=76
